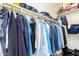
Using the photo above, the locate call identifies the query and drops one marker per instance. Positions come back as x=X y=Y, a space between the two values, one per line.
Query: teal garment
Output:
x=28 y=31
x=58 y=42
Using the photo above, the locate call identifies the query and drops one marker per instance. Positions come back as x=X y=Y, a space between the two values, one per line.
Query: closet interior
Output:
x=25 y=31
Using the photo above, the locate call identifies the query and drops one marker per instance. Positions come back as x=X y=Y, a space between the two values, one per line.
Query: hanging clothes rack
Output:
x=27 y=12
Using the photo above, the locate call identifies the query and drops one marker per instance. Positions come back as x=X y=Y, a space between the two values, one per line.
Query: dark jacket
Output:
x=12 y=36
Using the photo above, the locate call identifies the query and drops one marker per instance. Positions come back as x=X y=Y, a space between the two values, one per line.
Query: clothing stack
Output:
x=70 y=6
x=74 y=29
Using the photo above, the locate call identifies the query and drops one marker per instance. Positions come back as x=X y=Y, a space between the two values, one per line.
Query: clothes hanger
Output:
x=48 y=22
x=34 y=18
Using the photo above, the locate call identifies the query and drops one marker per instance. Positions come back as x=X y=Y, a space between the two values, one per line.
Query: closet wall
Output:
x=73 y=39
x=48 y=7
x=73 y=18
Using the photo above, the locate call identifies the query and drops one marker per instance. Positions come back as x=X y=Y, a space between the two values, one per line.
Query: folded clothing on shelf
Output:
x=74 y=29
x=46 y=14
x=24 y=5
x=71 y=7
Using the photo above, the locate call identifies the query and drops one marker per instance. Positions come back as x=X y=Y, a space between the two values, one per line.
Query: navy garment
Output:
x=25 y=33
x=23 y=5
x=74 y=29
x=52 y=38
x=33 y=27
x=12 y=36
x=21 y=44
x=4 y=19
x=64 y=36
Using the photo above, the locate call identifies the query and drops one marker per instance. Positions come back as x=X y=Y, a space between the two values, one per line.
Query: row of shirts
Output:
x=26 y=38
x=48 y=38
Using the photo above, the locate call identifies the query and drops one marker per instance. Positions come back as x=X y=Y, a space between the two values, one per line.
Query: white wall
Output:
x=73 y=18
x=48 y=7
x=73 y=39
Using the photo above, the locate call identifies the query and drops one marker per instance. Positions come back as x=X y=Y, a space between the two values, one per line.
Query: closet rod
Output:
x=27 y=12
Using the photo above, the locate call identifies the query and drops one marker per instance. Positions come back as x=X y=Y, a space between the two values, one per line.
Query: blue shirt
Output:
x=52 y=38
x=58 y=43
x=28 y=31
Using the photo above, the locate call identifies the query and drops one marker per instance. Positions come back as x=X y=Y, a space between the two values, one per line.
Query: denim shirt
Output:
x=52 y=38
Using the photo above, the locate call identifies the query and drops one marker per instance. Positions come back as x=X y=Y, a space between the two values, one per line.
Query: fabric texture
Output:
x=21 y=44
x=12 y=36
x=48 y=37
x=4 y=17
x=52 y=38
x=28 y=32
x=58 y=44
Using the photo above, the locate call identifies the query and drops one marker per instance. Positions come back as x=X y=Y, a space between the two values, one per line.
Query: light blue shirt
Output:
x=43 y=47
x=47 y=27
